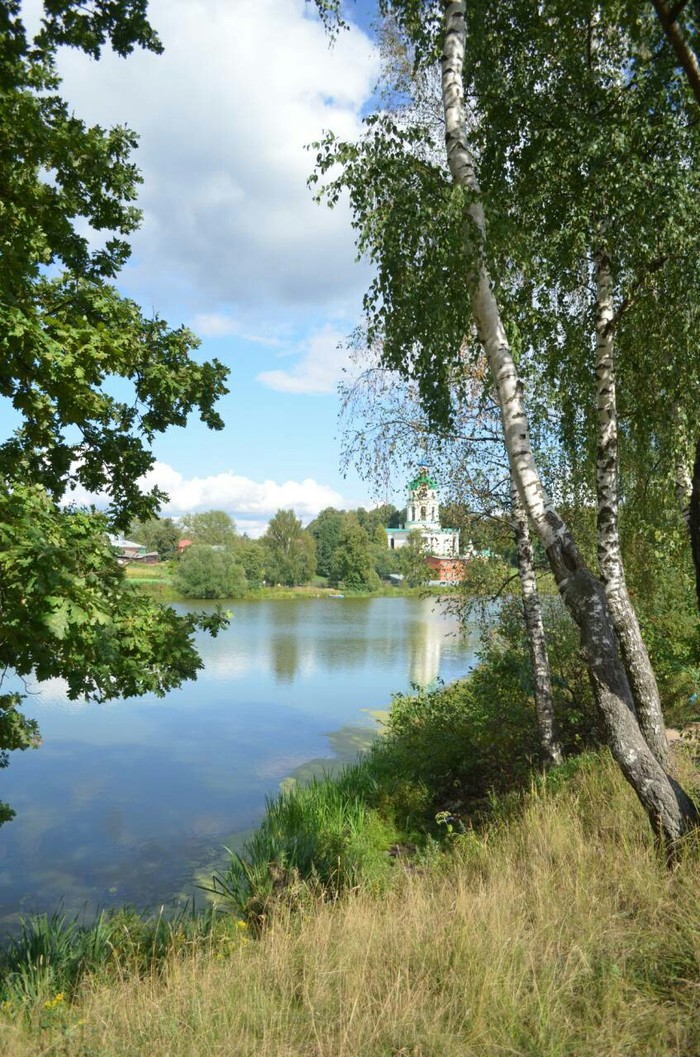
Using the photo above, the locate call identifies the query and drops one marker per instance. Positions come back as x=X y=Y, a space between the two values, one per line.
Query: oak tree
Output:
x=67 y=194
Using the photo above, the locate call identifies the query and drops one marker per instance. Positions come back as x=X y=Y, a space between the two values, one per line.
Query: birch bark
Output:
x=610 y=564
x=684 y=490
x=688 y=495
x=670 y=811
x=694 y=519
x=537 y=643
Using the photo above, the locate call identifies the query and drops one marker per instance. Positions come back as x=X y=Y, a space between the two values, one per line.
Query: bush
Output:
x=209 y=572
x=325 y=833
x=460 y=743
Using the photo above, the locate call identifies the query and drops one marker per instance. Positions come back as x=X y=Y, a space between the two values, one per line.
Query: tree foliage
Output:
x=250 y=555
x=65 y=331
x=326 y=529
x=214 y=527
x=290 y=549
x=353 y=565
x=209 y=572
x=67 y=195
x=159 y=534
x=411 y=561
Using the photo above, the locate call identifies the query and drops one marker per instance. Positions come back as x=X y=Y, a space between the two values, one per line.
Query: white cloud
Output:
x=318 y=371
x=215 y=325
x=250 y=503
x=224 y=117
x=222 y=325
x=253 y=503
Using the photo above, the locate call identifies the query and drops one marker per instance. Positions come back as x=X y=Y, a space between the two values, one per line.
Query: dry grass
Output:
x=558 y=935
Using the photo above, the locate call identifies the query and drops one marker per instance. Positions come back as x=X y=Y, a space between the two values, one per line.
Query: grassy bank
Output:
x=155 y=581
x=555 y=931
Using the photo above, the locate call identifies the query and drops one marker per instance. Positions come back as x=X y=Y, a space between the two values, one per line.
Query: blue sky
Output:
x=232 y=243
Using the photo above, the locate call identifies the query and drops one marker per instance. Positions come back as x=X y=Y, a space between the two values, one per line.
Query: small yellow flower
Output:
x=51 y=1003
x=241 y=924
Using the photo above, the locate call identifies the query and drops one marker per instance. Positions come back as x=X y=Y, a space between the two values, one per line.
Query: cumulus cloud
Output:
x=252 y=502
x=319 y=369
x=224 y=117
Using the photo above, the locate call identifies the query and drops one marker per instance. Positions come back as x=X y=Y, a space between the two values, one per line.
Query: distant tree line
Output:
x=343 y=548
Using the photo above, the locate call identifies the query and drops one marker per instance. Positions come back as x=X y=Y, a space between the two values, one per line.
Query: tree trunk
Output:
x=537 y=643
x=688 y=495
x=670 y=811
x=684 y=489
x=687 y=58
x=610 y=565
x=694 y=519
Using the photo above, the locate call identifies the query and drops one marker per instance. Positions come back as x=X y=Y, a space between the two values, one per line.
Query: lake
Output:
x=133 y=801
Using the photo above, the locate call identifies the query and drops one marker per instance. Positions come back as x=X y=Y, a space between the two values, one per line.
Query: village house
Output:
x=128 y=552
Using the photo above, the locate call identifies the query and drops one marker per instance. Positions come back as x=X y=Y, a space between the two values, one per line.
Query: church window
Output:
x=422 y=513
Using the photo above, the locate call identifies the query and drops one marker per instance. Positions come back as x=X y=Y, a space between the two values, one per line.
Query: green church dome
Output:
x=422 y=480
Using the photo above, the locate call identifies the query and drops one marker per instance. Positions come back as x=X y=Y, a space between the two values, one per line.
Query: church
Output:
x=423 y=517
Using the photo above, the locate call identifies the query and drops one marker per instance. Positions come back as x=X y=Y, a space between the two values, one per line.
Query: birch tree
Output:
x=384 y=427
x=458 y=264
x=681 y=25
x=616 y=232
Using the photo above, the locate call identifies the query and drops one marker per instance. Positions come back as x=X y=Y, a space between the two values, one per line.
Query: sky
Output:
x=233 y=244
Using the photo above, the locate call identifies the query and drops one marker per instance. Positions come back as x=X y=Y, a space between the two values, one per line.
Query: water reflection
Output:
x=425 y=651
x=125 y=801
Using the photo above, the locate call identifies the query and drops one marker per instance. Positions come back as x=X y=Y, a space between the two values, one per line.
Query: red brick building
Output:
x=446 y=570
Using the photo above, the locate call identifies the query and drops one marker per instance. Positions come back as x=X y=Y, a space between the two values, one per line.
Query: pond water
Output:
x=132 y=801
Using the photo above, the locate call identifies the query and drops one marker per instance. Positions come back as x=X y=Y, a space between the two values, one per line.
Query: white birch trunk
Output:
x=536 y=639
x=684 y=482
x=684 y=487
x=688 y=494
x=640 y=673
x=670 y=811
x=694 y=519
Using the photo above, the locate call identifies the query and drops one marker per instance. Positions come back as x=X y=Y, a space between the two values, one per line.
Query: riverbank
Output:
x=279 y=686
x=439 y=896
x=155 y=581
x=554 y=930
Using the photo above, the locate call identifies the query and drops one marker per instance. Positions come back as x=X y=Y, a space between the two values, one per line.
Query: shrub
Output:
x=325 y=833
x=209 y=572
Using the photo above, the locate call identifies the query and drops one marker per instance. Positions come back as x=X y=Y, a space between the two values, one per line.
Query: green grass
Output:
x=159 y=573
x=553 y=932
x=324 y=834
x=52 y=953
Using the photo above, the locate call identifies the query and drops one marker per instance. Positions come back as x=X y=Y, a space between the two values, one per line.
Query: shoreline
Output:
x=161 y=588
